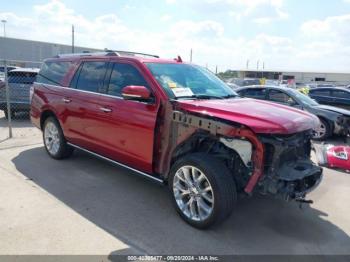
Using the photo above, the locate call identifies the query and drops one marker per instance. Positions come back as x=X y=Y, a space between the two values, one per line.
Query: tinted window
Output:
x=124 y=75
x=341 y=94
x=21 y=77
x=255 y=93
x=325 y=92
x=91 y=76
x=280 y=97
x=53 y=72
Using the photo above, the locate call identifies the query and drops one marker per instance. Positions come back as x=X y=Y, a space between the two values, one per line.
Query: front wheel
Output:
x=323 y=131
x=202 y=189
x=54 y=140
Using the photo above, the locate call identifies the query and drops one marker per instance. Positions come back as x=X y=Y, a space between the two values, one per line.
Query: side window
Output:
x=280 y=97
x=91 y=76
x=325 y=92
x=124 y=75
x=341 y=94
x=53 y=72
x=258 y=93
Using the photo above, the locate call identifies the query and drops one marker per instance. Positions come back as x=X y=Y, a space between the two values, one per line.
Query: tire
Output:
x=324 y=131
x=55 y=143
x=217 y=176
x=7 y=115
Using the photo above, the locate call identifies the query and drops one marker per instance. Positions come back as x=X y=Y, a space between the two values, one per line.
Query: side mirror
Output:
x=137 y=93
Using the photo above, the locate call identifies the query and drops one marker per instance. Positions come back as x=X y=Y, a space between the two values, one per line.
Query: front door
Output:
x=127 y=127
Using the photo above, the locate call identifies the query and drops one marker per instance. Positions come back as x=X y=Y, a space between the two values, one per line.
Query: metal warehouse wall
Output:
x=26 y=50
x=306 y=77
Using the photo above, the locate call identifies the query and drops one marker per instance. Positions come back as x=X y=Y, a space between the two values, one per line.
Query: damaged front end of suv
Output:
x=288 y=169
x=272 y=164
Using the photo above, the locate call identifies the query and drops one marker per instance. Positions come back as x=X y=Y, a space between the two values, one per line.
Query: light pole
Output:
x=4 y=22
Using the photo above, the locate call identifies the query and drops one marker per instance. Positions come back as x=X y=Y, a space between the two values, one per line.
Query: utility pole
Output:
x=73 y=39
x=216 y=70
x=4 y=23
x=191 y=54
x=247 y=64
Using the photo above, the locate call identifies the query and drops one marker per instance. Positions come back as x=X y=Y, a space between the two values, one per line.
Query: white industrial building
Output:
x=299 y=77
x=33 y=51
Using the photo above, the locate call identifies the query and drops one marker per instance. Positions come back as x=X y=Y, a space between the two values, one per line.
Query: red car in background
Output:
x=174 y=123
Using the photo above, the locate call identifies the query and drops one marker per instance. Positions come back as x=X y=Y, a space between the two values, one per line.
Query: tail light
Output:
x=31 y=93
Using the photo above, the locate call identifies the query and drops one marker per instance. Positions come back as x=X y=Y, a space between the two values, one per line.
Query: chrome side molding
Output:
x=158 y=180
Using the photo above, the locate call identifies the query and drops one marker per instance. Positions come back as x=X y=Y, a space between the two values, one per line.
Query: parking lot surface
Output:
x=84 y=205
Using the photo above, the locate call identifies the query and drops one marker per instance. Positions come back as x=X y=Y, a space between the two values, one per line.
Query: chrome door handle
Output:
x=66 y=100
x=106 y=110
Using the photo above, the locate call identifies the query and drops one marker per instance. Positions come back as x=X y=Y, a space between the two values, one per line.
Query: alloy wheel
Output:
x=193 y=193
x=52 y=138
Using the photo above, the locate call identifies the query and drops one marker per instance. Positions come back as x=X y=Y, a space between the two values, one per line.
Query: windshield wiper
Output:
x=201 y=97
x=229 y=96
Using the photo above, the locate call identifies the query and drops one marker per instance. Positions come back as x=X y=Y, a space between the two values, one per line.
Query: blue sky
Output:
x=312 y=35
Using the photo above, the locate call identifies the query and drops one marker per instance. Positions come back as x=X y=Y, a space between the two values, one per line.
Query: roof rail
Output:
x=107 y=52
x=87 y=53
x=130 y=53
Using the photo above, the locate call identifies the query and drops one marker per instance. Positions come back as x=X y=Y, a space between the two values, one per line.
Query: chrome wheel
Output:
x=320 y=131
x=52 y=138
x=193 y=193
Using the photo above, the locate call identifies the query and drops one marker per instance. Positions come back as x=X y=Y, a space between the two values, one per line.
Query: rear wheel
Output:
x=202 y=189
x=12 y=112
x=323 y=131
x=54 y=140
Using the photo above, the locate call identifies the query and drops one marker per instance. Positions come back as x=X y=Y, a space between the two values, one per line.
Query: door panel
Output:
x=82 y=105
x=127 y=130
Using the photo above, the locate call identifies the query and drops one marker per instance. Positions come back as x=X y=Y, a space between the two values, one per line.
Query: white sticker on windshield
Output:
x=180 y=92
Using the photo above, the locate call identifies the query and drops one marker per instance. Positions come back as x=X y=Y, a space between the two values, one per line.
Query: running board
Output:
x=158 y=180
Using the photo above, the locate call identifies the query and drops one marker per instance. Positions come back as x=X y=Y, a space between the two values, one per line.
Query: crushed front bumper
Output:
x=294 y=180
x=289 y=172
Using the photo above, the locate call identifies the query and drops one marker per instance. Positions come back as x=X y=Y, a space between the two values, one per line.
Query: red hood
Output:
x=261 y=116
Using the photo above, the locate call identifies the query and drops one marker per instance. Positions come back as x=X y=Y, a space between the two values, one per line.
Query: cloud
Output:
x=320 y=44
x=258 y=11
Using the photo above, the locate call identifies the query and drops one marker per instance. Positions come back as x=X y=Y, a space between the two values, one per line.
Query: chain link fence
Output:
x=16 y=79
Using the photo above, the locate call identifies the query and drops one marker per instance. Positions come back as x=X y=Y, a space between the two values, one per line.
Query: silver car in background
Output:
x=19 y=80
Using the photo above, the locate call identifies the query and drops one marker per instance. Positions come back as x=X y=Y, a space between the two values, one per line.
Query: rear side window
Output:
x=21 y=77
x=124 y=75
x=258 y=93
x=90 y=77
x=341 y=94
x=53 y=72
x=325 y=92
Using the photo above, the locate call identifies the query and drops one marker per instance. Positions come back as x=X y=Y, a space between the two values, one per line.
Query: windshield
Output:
x=189 y=81
x=304 y=98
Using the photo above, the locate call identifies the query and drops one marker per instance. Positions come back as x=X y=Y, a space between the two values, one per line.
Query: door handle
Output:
x=66 y=100
x=106 y=110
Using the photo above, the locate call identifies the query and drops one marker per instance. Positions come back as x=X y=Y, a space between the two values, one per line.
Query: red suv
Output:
x=177 y=124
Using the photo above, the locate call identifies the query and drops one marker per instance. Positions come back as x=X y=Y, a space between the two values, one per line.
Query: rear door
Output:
x=82 y=105
x=323 y=96
x=126 y=129
x=341 y=98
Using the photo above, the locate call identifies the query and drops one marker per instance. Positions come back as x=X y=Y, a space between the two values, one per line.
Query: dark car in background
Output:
x=336 y=96
x=244 y=81
x=19 y=80
x=333 y=120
